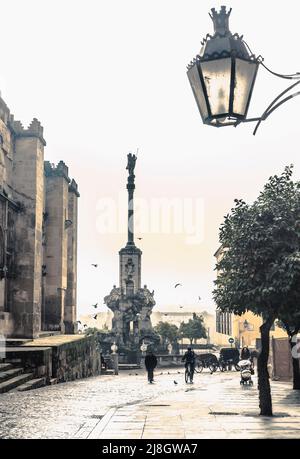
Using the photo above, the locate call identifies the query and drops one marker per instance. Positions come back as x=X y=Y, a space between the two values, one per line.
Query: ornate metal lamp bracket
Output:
x=278 y=101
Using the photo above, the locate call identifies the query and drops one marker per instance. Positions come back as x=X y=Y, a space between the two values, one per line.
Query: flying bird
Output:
x=177 y=285
x=175 y=382
x=85 y=325
x=95 y=265
x=180 y=307
x=95 y=316
x=140 y=238
x=95 y=305
x=78 y=322
x=199 y=298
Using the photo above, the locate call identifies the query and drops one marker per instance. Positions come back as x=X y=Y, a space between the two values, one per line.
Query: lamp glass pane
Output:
x=244 y=78
x=217 y=78
x=195 y=82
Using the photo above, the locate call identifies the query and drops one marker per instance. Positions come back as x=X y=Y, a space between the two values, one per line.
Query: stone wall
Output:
x=71 y=357
x=71 y=293
x=75 y=360
x=55 y=261
x=28 y=170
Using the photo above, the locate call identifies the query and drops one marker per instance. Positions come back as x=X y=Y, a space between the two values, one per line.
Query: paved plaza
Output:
x=126 y=406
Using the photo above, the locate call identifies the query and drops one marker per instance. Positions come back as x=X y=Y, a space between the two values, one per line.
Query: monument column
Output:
x=131 y=160
x=130 y=188
x=130 y=255
x=131 y=304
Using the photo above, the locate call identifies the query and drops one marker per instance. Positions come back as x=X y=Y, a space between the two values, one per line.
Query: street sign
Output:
x=231 y=340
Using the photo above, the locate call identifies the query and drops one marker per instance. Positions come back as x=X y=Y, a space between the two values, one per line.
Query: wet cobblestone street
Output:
x=59 y=411
x=128 y=407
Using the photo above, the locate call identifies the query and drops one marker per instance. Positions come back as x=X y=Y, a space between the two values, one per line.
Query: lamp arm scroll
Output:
x=273 y=106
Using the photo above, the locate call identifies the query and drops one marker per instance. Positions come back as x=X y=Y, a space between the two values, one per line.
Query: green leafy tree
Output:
x=260 y=268
x=169 y=333
x=193 y=329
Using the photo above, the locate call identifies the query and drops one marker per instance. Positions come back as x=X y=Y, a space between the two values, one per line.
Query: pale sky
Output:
x=107 y=77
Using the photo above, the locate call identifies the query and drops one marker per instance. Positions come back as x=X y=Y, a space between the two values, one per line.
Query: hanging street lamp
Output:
x=223 y=74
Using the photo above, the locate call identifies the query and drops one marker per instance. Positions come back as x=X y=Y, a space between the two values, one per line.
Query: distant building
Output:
x=38 y=234
x=176 y=318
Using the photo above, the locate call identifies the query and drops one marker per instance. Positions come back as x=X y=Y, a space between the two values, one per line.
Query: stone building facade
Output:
x=38 y=234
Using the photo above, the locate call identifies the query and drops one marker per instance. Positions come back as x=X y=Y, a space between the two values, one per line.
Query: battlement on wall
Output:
x=61 y=170
x=35 y=129
x=74 y=188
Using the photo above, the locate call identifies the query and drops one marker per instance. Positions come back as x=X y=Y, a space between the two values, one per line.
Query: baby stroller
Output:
x=246 y=372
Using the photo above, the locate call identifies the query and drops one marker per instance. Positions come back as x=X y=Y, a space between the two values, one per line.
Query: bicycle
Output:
x=209 y=363
x=189 y=373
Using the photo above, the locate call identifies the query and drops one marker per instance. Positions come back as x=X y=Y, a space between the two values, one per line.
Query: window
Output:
x=223 y=323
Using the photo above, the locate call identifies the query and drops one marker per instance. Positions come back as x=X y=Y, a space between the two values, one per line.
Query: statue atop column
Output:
x=131 y=160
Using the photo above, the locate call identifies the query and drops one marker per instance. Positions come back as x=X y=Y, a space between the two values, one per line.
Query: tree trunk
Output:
x=296 y=366
x=265 y=400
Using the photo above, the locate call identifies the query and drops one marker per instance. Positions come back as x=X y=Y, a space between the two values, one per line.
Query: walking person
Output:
x=245 y=353
x=150 y=364
x=190 y=360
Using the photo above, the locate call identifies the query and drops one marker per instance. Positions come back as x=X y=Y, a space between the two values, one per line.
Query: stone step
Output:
x=129 y=366
x=46 y=334
x=15 y=382
x=5 y=366
x=9 y=374
x=13 y=361
x=17 y=341
x=32 y=384
x=107 y=372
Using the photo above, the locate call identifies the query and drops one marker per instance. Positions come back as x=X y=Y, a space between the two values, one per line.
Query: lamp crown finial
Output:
x=221 y=20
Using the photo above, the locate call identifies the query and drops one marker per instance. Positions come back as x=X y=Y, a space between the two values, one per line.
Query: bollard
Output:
x=115 y=359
